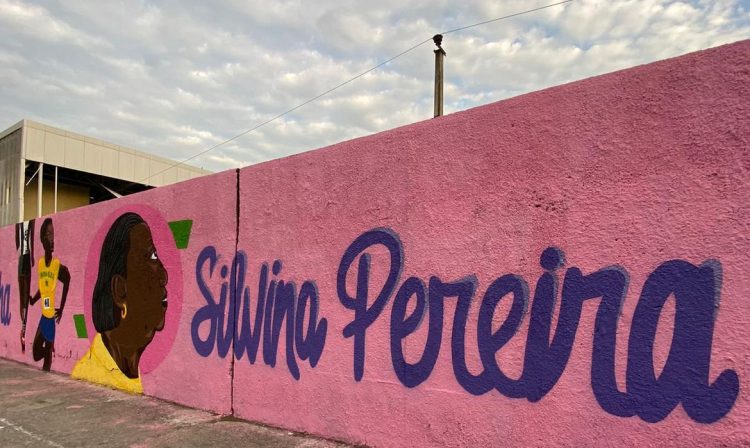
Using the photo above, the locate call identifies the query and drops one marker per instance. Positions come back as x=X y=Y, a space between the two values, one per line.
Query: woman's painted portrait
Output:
x=128 y=305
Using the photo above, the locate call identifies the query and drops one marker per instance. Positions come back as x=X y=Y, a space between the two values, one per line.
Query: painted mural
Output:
x=50 y=271
x=237 y=318
x=112 y=315
x=5 y=312
x=128 y=304
x=565 y=268
x=24 y=236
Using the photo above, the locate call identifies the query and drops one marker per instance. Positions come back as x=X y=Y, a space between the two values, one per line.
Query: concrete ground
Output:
x=49 y=410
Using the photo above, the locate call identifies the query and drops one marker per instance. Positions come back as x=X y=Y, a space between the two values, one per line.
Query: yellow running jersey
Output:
x=47 y=284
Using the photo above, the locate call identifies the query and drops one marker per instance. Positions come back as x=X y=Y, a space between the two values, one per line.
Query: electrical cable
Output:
x=341 y=85
x=290 y=110
x=505 y=17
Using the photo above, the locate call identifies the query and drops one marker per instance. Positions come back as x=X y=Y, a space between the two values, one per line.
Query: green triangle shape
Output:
x=181 y=232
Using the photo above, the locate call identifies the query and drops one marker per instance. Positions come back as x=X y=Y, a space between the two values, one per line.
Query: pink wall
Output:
x=639 y=177
x=170 y=367
x=633 y=169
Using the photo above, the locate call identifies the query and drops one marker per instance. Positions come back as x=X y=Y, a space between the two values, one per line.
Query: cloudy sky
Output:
x=177 y=77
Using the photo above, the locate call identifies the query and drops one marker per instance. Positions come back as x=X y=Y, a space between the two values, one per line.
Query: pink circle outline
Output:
x=170 y=257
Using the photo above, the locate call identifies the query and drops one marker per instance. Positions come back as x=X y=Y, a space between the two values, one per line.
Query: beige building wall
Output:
x=68 y=196
x=11 y=177
x=29 y=143
x=58 y=147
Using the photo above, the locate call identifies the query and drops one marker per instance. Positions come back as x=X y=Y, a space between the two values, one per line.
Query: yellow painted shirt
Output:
x=97 y=366
x=47 y=283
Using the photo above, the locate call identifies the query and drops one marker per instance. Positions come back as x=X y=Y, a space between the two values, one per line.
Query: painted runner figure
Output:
x=50 y=272
x=25 y=248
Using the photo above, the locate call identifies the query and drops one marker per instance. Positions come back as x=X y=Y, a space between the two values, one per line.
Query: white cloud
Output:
x=178 y=78
x=37 y=23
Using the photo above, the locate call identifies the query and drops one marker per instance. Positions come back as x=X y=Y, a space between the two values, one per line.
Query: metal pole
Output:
x=22 y=176
x=21 y=190
x=439 y=55
x=55 y=189
x=39 y=190
x=438 y=83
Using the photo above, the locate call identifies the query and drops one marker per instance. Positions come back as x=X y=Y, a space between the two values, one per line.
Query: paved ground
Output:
x=49 y=410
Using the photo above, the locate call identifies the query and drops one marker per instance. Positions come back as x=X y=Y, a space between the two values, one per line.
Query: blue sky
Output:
x=177 y=77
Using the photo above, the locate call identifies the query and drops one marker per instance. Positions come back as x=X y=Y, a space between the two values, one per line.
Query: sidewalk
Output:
x=49 y=410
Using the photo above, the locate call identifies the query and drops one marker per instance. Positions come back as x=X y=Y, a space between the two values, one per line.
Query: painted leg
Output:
x=39 y=347
x=50 y=347
x=23 y=293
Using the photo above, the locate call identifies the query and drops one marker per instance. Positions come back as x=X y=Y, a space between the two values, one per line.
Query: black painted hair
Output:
x=46 y=223
x=113 y=261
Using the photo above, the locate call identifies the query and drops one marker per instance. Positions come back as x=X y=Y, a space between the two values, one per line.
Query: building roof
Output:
x=66 y=149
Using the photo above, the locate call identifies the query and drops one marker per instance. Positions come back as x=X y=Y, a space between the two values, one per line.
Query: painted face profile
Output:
x=129 y=303
x=145 y=294
x=48 y=238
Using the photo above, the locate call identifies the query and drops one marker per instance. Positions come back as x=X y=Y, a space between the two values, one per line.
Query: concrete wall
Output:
x=563 y=268
x=182 y=219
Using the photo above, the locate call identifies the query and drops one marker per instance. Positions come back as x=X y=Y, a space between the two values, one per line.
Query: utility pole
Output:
x=439 y=55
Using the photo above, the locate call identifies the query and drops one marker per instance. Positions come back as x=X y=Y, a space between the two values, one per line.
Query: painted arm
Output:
x=35 y=298
x=64 y=277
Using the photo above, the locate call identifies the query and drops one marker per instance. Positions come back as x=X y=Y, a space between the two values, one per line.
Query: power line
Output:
x=288 y=111
x=505 y=17
x=341 y=85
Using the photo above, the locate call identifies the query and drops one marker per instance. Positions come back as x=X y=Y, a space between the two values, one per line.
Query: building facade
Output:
x=46 y=169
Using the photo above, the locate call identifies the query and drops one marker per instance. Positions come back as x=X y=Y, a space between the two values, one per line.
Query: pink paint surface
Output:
x=633 y=168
